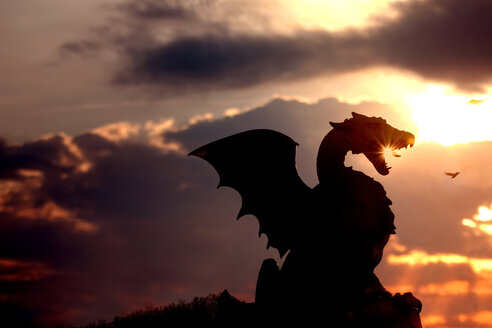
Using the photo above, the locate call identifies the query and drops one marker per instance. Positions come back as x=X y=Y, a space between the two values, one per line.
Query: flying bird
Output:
x=452 y=175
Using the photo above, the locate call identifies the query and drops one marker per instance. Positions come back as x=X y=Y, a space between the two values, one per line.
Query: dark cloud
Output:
x=111 y=226
x=79 y=47
x=155 y=238
x=443 y=40
x=150 y=9
x=222 y=61
x=439 y=40
x=46 y=155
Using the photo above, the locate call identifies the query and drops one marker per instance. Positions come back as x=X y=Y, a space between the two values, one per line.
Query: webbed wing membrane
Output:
x=260 y=165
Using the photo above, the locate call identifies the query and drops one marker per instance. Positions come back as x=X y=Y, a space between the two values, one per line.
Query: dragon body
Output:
x=334 y=233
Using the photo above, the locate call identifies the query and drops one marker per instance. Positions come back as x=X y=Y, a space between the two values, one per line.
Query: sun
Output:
x=338 y=15
x=451 y=119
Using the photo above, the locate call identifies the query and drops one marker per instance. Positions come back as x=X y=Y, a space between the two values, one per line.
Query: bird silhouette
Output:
x=452 y=175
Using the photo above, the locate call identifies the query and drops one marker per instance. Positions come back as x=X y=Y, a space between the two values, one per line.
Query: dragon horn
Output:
x=357 y=115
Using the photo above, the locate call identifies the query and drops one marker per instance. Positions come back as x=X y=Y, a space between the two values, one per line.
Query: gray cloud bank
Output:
x=439 y=40
x=91 y=228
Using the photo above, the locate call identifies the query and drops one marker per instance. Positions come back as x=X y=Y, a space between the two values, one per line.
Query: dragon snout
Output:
x=402 y=139
x=410 y=138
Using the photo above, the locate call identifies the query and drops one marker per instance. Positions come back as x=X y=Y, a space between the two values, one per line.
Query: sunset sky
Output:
x=102 y=212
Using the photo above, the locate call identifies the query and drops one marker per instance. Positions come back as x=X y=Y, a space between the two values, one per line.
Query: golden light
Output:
x=451 y=119
x=483 y=317
x=231 y=112
x=387 y=152
x=433 y=319
x=335 y=14
x=417 y=257
x=16 y=270
x=390 y=154
x=484 y=214
x=469 y=223
x=481 y=220
x=454 y=287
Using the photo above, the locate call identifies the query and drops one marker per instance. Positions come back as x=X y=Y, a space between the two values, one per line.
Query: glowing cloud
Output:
x=155 y=132
x=483 y=317
x=416 y=257
x=200 y=118
x=450 y=119
x=434 y=319
x=484 y=214
x=231 y=112
x=336 y=15
x=117 y=131
x=51 y=211
x=15 y=270
x=455 y=287
x=480 y=221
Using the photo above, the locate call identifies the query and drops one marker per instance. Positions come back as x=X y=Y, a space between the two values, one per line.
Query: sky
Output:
x=103 y=213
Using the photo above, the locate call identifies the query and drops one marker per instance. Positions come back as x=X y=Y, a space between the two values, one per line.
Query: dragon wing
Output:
x=260 y=165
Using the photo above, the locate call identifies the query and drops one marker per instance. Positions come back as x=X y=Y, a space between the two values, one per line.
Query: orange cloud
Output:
x=484 y=214
x=26 y=209
x=483 y=287
x=117 y=131
x=155 y=131
x=200 y=118
x=71 y=156
x=52 y=212
x=481 y=222
x=15 y=270
x=230 y=112
x=454 y=287
x=17 y=200
x=432 y=320
x=483 y=317
x=152 y=131
x=416 y=257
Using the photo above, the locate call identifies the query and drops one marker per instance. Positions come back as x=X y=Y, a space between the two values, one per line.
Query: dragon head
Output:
x=371 y=136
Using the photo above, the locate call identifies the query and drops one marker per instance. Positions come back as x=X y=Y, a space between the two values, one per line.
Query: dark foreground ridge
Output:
x=200 y=312
x=214 y=310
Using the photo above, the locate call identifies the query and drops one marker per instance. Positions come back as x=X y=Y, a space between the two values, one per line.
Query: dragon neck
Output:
x=331 y=156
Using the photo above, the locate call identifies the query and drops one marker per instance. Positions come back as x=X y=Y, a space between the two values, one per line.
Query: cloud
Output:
x=149 y=238
x=439 y=40
x=216 y=62
x=163 y=233
x=149 y=9
x=117 y=131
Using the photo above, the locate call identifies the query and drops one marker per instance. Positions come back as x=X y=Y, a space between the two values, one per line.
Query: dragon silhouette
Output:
x=334 y=233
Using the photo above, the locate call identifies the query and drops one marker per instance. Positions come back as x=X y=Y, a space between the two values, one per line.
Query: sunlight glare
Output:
x=387 y=152
x=433 y=319
x=454 y=287
x=337 y=15
x=484 y=214
x=451 y=119
x=417 y=257
x=481 y=220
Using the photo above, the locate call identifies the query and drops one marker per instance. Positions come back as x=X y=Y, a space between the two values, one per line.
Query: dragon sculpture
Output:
x=334 y=233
